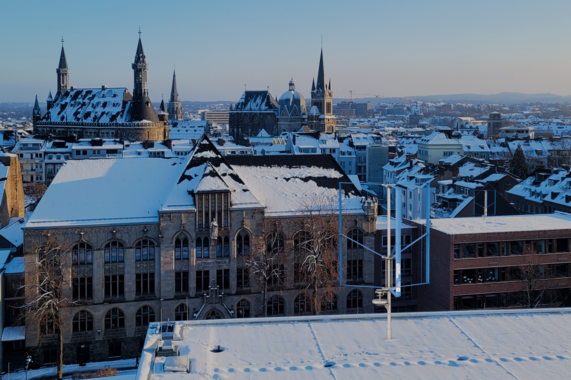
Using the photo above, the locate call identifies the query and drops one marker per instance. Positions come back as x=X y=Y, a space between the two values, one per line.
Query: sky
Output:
x=378 y=47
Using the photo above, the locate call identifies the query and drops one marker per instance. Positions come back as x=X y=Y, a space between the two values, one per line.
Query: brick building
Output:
x=475 y=263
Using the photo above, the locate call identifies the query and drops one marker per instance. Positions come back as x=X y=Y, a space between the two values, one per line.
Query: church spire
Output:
x=321 y=74
x=313 y=85
x=141 y=106
x=62 y=74
x=37 y=111
x=175 y=106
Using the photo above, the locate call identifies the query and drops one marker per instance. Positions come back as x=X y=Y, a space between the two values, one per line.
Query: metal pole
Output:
x=398 y=242
x=428 y=232
x=485 y=204
x=388 y=265
x=340 y=239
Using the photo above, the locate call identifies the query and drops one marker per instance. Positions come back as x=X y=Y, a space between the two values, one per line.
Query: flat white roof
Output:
x=520 y=344
x=511 y=223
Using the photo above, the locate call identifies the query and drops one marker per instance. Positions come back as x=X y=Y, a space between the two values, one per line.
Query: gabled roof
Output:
x=256 y=101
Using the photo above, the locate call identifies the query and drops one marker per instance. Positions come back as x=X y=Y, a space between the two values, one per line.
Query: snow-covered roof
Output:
x=13 y=333
x=498 y=224
x=261 y=101
x=13 y=231
x=91 y=105
x=475 y=344
x=100 y=192
x=438 y=138
x=451 y=160
x=17 y=265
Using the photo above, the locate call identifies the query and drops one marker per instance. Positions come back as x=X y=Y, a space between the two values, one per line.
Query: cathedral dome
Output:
x=292 y=103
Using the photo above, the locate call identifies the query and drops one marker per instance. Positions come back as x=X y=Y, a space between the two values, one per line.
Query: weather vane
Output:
x=61 y=40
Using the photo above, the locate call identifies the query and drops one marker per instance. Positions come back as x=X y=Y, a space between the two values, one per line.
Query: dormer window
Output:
x=213 y=207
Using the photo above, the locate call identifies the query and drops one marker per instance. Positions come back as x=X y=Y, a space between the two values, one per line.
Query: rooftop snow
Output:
x=382 y=223
x=13 y=231
x=448 y=345
x=17 y=265
x=99 y=192
x=498 y=224
x=13 y=333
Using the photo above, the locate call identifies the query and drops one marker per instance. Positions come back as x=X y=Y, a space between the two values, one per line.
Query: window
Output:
x=223 y=278
x=243 y=278
x=181 y=282
x=329 y=305
x=456 y=251
x=202 y=248
x=226 y=247
x=181 y=313
x=212 y=207
x=468 y=250
x=181 y=248
x=145 y=284
x=114 y=252
x=219 y=247
x=275 y=242
x=516 y=247
x=354 y=301
x=561 y=270
x=145 y=250
x=562 y=245
x=115 y=285
x=115 y=319
x=48 y=326
x=83 y=321
x=243 y=244
x=354 y=258
x=276 y=306
x=355 y=270
x=243 y=309
x=302 y=304
x=302 y=246
x=82 y=288
x=145 y=315
x=492 y=249
x=82 y=254
x=50 y=356
x=278 y=276
x=202 y=280
x=406 y=267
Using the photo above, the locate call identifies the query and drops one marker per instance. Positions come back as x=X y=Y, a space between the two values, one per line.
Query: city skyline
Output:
x=371 y=47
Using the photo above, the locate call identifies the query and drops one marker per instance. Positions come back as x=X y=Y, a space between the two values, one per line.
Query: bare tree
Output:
x=534 y=280
x=316 y=248
x=35 y=190
x=266 y=260
x=45 y=288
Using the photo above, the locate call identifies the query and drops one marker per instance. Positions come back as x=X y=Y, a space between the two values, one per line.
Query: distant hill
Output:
x=501 y=98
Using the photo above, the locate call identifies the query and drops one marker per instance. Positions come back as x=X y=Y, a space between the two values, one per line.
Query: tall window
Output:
x=202 y=248
x=82 y=254
x=145 y=250
x=181 y=313
x=83 y=321
x=212 y=207
x=202 y=280
x=114 y=319
x=354 y=301
x=82 y=288
x=278 y=277
x=276 y=306
x=243 y=278
x=145 y=315
x=181 y=248
x=115 y=285
x=301 y=248
x=48 y=326
x=223 y=278
x=355 y=255
x=181 y=282
x=243 y=244
x=243 y=309
x=114 y=252
x=275 y=242
x=226 y=251
x=145 y=284
x=302 y=304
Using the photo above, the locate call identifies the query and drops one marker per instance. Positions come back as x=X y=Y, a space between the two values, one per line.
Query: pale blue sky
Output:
x=391 y=48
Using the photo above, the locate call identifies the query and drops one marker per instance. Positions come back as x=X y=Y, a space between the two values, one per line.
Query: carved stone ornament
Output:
x=213 y=232
x=181 y=265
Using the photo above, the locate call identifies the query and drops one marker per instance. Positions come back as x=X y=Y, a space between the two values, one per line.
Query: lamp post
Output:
x=28 y=361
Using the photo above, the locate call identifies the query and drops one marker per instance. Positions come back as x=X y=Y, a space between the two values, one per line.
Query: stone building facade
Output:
x=182 y=266
x=102 y=112
x=256 y=110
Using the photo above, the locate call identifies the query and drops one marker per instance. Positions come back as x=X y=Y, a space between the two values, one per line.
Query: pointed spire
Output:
x=329 y=86
x=174 y=89
x=50 y=98
x=62 y=60
x=140 y=54
x=37 y=111
x=321 y=74
x=313 y=85
x=163 y=108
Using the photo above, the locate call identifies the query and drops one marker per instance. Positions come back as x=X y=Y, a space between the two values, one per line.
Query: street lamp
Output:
x=28 y=361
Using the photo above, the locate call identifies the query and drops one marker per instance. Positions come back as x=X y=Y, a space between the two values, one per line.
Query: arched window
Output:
x=301 y=248
x=83 y=321
x=114 y=252
x=302 y=304
x=243 y=309
x=205 y=248
x=354 y=301
x=145 y=250
x=145 y=315
x=181 y=313
x=198 y=247
x=213 y=314
x=243 y=244
x=330 y=304
x=219 y=247
x=181 y=248
x=48 y=326
x=276 y=306
x=275 y=242
x=82 y=254
x=357 y=235
x=114 y=319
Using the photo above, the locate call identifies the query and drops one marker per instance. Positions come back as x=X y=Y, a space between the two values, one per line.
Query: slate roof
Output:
x=257 y=101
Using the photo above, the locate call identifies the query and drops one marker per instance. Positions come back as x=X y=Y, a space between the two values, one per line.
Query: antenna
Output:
x=139 y=32
x=244 y=86
x=61 y=40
